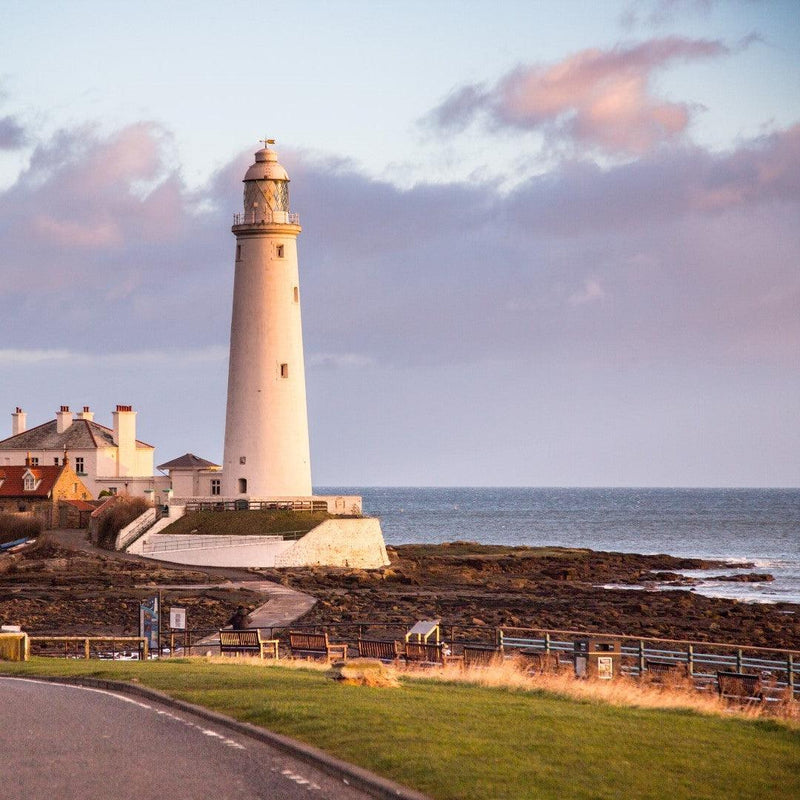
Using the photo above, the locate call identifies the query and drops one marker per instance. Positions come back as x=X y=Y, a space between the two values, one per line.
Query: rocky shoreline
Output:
x=52 y=589
x=475 y=586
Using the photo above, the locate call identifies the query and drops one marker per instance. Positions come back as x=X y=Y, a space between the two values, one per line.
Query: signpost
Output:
x=177 y=618
x=177 y=622
x=149 y=626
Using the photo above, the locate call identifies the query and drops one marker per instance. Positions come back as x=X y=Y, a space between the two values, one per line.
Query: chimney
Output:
x=86 y=414
x=63 y=419
x=19 y=422
x=124 y=434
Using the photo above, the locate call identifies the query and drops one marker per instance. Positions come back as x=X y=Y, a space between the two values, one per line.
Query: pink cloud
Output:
x=598 y=99
x=66 y=233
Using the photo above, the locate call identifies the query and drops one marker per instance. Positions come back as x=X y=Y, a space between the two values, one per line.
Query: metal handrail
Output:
x=264 y=217
x=783 y=667
x=210 y=542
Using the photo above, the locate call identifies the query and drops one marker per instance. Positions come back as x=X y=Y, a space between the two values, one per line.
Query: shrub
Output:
x=116 y=516
x=17 y=526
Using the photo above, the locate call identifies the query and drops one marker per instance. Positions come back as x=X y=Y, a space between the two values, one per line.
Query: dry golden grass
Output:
x=675 y=693
x=678 y=693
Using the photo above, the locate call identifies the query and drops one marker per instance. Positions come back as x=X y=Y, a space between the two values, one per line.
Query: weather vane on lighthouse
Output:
x=267 y=141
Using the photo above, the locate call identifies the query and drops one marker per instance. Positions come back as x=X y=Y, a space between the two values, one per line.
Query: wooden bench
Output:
x=481 y=655
x=382 y=649
x=247 y=642
x=740 y=686
x=425 y=653
x=538 y=661
x=315 y=645
x=659 y=671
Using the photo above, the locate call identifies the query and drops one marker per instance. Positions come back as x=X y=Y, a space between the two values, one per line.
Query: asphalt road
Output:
x=61 y=742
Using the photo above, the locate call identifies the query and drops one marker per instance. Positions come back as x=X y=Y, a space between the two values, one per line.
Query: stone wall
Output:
x=339 y=543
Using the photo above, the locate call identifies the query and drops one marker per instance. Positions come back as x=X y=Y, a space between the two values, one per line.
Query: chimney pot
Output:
x=18 y=422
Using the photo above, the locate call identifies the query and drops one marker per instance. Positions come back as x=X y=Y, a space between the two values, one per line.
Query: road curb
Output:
x=377 y=786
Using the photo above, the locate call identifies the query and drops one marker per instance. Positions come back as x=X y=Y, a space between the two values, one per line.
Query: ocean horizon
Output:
x=760 y=526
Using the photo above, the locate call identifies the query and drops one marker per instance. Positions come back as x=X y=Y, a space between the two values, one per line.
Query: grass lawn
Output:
x=460 y=741
x=246 y=523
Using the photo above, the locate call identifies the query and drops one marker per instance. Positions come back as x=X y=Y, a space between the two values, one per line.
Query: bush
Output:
x=116 y=516
x=17 y=526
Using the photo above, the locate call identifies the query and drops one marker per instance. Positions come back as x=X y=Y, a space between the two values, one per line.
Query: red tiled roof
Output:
x=81 y=505
x=12 y=482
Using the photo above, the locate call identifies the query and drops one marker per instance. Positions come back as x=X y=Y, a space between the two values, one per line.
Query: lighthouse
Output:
x=266 y=452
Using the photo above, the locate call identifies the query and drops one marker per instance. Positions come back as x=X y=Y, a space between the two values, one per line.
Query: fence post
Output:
x=739 y=660
x=547 y=642
x=86 y=648
x=641 y=656
x=690 y=660
x=790 y=671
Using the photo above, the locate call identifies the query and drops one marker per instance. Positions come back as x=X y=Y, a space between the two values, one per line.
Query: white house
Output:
x=110 y=459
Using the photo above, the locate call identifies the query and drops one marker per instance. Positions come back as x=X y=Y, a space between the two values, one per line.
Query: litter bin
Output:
x=598 y=658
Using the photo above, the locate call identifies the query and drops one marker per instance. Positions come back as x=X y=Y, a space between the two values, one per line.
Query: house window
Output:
x=55 y=461
x=34 y=462
x=79 y=466
x=242 y=485
x=242 y=459
x=279 y=251
x=216 y=486
x=112 y=490
x=296 y=295
x=284 y=370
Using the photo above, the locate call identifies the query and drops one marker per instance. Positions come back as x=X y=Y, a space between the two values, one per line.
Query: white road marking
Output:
x=161 y=712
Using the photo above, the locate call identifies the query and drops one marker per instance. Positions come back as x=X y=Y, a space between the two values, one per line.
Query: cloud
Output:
x=660 y=12
x=680 y=254
x=590 y=292
x=597 y=99
x=134 y=359
x=12 y=134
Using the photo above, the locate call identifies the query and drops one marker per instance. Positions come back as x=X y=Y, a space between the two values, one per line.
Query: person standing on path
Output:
x=240 y=619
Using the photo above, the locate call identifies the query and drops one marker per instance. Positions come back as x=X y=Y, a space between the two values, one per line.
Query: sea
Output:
x=755 y=526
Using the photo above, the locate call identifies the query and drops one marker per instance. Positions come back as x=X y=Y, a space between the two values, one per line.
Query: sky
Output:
x=544 y=243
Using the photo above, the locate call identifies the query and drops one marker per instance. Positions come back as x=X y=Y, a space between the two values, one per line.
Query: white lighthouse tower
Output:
x=266 y=428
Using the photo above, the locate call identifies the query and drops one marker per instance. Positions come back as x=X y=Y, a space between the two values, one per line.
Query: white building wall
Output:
x=355 y=543
x=266 y=430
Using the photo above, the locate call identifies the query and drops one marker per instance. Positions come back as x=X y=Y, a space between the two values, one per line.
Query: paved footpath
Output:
x=71 y=742
x=282 y=606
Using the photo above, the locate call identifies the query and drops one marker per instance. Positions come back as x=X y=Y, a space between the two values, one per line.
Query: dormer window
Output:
x=29 y=483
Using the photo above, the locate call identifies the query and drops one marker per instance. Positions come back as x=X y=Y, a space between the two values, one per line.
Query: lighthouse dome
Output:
x=266 y=167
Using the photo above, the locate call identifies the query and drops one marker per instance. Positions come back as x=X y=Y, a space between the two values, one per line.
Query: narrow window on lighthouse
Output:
x=279 y=251
x=238 y=252
x=284 y=370
x=242 y=485
x=296 y=295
